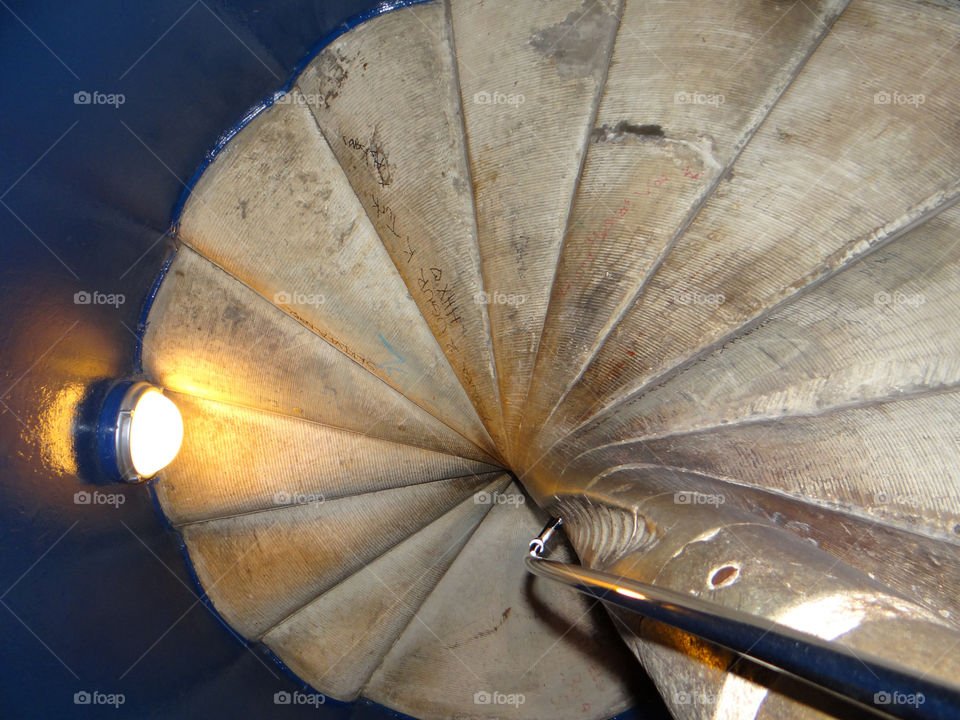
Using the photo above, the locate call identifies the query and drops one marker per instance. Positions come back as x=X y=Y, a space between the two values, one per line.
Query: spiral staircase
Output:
x=484 y=259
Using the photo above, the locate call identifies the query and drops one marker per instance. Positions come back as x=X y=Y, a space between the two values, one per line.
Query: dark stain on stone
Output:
x=235 y=315
x=346 y=233
x=519 y=246
x=332 y=70
x=623 y=129
x=308 y=178
x=578 y=44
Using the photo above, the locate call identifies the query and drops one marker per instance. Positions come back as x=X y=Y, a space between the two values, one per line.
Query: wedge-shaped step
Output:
x=385 y=96
x=685 y=92
x=210 y=335
x=526 y=135
x=261 y=567
x=890 y=461
x=884 y=328
x=276 y=211
x=337 y=641
x=492 y=641
x=237 y=460
x=833 y=173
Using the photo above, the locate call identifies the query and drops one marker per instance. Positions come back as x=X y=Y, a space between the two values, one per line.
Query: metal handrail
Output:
x=856 y=677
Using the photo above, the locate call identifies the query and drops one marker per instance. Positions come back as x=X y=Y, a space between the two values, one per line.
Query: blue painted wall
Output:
x=98 y=597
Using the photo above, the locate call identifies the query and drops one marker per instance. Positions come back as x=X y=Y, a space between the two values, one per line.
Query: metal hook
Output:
x=539 y=543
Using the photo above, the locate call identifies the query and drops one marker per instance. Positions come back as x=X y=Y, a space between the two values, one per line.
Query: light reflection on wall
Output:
x=55 y=429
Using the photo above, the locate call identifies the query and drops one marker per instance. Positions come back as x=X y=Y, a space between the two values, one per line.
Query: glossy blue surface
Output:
x=107 y=423
x=96 y=595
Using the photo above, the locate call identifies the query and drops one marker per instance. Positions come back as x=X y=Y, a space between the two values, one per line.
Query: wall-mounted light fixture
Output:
x=139 y=431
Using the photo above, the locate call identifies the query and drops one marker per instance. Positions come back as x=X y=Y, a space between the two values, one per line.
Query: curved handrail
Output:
x=854 y=676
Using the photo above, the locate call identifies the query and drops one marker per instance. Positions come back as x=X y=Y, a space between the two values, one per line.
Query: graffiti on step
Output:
x=638 y=350
x=520 y=248
x=331 y=338
x=387 y=219
x=374 y=154
x=431 y=288
x=434 y=290
x=599 y=233
x=440 y=297
x=394 y=368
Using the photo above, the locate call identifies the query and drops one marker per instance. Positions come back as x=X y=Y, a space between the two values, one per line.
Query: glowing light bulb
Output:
x=139 y=431
x=156 y=432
